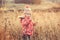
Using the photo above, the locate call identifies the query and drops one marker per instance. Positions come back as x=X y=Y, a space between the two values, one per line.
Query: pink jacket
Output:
x=27 y=26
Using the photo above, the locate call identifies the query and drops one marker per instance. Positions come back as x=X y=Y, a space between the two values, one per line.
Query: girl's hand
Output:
x=35 y=24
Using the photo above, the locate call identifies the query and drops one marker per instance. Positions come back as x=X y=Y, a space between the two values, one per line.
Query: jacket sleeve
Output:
x=23 y=22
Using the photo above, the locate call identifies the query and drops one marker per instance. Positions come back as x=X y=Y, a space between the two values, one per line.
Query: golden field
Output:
x=47 y=24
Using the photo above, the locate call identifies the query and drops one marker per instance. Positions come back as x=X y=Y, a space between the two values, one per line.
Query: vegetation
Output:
x=47 y=24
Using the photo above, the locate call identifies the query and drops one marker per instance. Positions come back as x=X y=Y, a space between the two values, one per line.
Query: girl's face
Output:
x=27 y=16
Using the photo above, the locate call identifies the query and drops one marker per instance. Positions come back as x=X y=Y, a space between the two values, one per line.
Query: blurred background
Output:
x=46 y=14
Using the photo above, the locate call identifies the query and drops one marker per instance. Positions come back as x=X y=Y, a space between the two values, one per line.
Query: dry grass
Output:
x=47 y=25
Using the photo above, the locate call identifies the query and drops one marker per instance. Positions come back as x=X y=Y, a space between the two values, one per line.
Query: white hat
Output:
x=27 y=10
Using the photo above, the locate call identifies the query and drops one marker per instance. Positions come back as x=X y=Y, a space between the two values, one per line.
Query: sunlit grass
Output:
x=47 y=25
